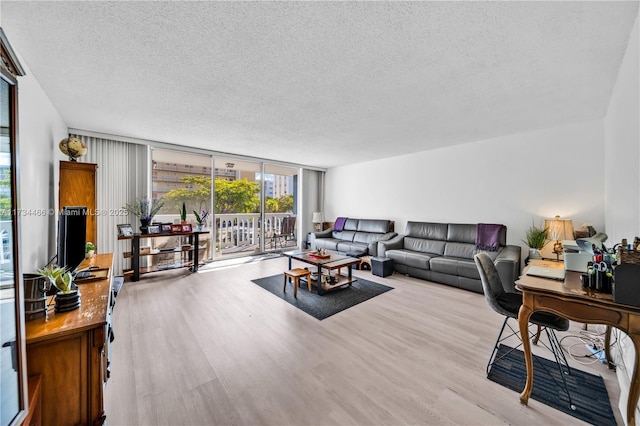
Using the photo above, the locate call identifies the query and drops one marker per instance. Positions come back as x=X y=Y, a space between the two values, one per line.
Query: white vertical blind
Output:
x=122 y=176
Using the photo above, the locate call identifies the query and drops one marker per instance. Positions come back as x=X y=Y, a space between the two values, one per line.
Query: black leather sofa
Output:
x=358 y=237
x=443 y=253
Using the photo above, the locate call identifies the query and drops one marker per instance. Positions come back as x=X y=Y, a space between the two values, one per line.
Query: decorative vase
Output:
x=90 y=254
x=67 y=301
x=144 y=225
x=199 y=227
x=534 y=253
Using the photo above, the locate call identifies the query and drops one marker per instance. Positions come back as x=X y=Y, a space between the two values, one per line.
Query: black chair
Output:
x=508 y=304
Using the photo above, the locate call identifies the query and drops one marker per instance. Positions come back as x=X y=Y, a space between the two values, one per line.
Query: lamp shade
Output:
x=587 y=244
x=318 y=217
x=559 y=229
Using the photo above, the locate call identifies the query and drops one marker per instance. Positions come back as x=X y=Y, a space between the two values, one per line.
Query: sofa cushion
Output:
x=374 y=225
x=424 y=246
x=343 y=235
x=409 y=258
x=352 y=247
x=468 y=269
x=462 y=233
x=455 y=266
x=351 y=225
x=326 y=243
x=365 y=237
x=427 y=230
x=463 y=250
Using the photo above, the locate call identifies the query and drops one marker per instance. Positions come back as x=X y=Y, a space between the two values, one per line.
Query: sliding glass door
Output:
x=281 y=207
x=248 y=207
x=237 y=207
x=181 y=178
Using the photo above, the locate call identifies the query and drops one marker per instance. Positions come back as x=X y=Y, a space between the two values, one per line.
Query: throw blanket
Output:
x=339 y=224
x=488 y=236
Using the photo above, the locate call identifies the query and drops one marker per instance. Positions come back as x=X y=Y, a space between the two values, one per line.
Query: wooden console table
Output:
x=70 y=352
x=191 y=250
x=570 y=300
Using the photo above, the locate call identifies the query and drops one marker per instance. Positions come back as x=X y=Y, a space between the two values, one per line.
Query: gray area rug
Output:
x=588 y=391
x=328 y=304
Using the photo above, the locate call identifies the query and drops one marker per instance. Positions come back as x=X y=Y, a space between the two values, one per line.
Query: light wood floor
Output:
x=213 y=348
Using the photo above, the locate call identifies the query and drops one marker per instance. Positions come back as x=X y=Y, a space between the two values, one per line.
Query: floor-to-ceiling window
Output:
x=182 y=179
x=237 y=207
x=281 y=206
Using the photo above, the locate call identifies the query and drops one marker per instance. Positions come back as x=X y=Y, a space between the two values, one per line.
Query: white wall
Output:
x=40 y=129
x=622 y=149
x=515 y=180
x=622 y=182
x=309 y=202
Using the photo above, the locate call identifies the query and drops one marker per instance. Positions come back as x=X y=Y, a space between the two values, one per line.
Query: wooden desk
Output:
x=570 y=300
x=70 y=352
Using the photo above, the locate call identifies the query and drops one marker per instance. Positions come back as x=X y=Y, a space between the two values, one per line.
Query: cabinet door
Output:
x=78 y=188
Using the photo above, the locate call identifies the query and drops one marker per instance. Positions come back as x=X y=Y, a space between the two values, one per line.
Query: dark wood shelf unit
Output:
x=192 y=252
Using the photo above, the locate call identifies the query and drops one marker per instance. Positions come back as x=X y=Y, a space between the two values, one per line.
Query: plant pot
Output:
x=67 y=301
x=90 y=254
x=35 y=296
x=535 y=253
x=144 y=225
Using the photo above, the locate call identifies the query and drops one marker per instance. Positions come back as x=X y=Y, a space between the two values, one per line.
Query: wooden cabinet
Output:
x=78 y=187
x=70 y=352
x=183 y=255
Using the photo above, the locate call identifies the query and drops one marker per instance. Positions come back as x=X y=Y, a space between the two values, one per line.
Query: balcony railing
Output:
x=240 y=232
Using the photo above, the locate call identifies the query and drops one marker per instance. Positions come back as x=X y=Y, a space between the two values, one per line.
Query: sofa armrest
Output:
x=396 y=242
x=313 y=235
x=387 y=236
x=508 y=266
x=323 y=234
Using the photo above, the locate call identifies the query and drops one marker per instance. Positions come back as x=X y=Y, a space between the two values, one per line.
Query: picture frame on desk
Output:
x=176 y=228
x=166 y=227
x=186 y=227
x=125 y=230
x=153 y=229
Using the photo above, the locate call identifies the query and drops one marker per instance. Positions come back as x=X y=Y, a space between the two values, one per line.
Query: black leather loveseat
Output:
x=357 y=237
x=443 y=252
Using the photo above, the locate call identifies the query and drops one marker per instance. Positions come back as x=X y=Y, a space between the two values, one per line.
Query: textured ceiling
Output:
x=321 y=83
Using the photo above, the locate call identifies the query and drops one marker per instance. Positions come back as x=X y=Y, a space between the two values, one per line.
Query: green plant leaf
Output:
x=536 y=237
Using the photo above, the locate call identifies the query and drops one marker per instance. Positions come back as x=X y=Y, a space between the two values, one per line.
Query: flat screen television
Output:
x=72 y=236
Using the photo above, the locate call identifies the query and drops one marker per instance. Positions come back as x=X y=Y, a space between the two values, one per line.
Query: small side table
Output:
x=381 y=266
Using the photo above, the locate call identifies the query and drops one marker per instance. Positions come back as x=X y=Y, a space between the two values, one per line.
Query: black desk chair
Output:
x=508 y=304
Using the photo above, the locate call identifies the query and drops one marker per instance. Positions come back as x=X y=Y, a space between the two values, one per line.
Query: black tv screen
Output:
x=72 y=236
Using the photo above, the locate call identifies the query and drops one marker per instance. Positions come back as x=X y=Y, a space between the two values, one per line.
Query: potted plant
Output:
x=201 y=219
x=145 y=209
x=536 y=238
x=67 y=296
x=90 y=249
x=183 y=213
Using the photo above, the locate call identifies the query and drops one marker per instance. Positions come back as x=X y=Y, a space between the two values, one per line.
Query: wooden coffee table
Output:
x=328 y=264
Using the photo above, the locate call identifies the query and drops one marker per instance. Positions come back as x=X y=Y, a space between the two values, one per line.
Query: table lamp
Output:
x=318 y=219
x=559 y=229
